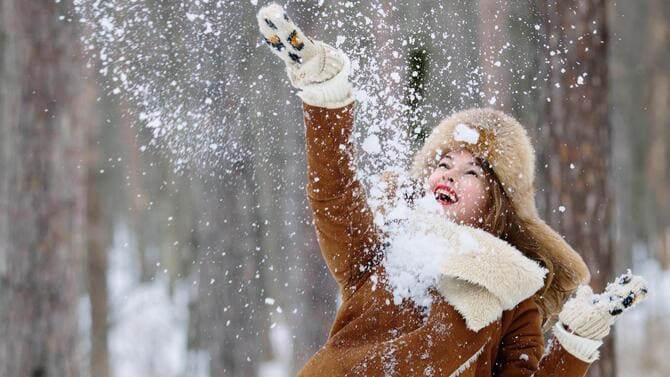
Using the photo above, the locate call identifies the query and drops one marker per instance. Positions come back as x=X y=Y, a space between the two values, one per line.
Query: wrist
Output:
x=586 y=315
x=323 y=66
x=335 y=91
x=582 y=348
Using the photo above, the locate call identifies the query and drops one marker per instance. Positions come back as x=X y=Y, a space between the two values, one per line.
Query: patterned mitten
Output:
x=317 y=68
x=590 y=316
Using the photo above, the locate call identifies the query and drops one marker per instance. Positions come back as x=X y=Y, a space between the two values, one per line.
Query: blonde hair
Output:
x=502 y=221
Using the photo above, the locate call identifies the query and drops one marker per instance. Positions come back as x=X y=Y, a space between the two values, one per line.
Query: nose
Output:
x=447 y=177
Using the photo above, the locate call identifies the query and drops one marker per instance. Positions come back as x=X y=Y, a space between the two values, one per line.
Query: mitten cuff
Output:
x=322 y=66
x=332 y=93
x=582 y=348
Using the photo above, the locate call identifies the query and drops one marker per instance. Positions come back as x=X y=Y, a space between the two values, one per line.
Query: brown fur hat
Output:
x=504 y=143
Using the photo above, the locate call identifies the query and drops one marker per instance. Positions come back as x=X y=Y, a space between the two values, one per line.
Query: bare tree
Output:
x=577 y=133
x=494 y=34
x=43 y=203
x=98 y=241
x=657 y=156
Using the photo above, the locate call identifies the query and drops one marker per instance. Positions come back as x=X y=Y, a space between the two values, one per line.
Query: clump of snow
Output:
x=387 y=197
x=340 y=40
x=417 y=245
x=371 y=144
x=410 y=265
x=465 y=133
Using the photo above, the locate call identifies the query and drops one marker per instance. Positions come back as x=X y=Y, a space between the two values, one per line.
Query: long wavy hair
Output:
x=502 y=221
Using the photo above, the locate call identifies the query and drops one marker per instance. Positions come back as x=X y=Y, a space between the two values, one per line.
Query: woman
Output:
x=509 y=274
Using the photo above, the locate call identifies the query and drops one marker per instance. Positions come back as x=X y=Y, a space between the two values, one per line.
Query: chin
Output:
x=453 y=217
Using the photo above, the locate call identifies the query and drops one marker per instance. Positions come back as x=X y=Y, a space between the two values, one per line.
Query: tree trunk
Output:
x=228 y=313
x=97 y=243
x=493 y=30
x=577 y=133
x=43 y=203
x=657 y=156
x=97 y=279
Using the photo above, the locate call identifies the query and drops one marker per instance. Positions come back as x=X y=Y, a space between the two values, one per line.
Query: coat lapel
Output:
x=485 y=275
x=475 y=304
x=479 y=274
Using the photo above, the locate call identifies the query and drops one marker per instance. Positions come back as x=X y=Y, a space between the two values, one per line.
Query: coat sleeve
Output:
x=522 y=350
x=344 y=223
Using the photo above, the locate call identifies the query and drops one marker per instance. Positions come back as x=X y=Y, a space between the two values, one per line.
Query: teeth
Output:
x=444 y=195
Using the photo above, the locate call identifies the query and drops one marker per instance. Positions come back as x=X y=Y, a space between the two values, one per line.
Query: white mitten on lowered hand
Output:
x=318 y=69
x=587 y=318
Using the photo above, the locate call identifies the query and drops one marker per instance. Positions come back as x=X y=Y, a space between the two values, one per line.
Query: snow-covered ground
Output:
x=643 y=334
x=148 y=326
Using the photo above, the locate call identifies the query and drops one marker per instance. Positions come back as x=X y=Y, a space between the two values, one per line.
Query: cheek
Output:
x=477 y=194
x=433 y=179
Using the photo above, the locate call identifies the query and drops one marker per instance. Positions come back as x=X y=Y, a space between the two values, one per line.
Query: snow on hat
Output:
x=503 y=142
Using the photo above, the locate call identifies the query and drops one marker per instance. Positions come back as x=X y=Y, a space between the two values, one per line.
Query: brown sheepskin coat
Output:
x=373 y=337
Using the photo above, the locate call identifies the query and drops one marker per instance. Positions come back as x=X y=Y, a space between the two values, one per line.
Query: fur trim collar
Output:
x=479 y=274
x=485 y=275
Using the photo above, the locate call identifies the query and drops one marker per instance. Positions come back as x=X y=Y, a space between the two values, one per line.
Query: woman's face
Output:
x=459 y=185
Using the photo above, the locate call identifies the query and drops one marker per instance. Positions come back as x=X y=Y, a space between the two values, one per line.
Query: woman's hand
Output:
x=308 y=61
x=591 y=315
x=587 y=318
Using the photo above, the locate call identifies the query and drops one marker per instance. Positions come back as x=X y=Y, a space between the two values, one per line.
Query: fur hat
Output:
x=500 y=139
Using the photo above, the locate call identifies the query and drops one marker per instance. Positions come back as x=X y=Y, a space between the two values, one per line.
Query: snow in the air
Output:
x=198 y=101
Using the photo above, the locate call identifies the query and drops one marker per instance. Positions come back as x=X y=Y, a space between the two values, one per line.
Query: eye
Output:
x=443 y=165
x=472 y=172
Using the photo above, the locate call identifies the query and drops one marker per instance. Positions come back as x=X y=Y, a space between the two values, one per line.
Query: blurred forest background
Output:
x=130 y=249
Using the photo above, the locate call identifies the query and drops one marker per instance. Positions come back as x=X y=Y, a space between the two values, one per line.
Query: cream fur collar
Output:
x=485 y=275
x=479 y=274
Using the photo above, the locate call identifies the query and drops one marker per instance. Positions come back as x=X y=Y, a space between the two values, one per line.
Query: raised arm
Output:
x=344 y=223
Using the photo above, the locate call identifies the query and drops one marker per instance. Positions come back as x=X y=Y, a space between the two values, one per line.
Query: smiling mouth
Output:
x=445 y=195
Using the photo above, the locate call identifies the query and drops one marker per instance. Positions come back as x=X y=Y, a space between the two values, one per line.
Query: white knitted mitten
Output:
x=318 y=69
x=587 y=318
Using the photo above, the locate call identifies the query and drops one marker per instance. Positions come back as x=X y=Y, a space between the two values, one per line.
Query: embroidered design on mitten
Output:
x=285 y=37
